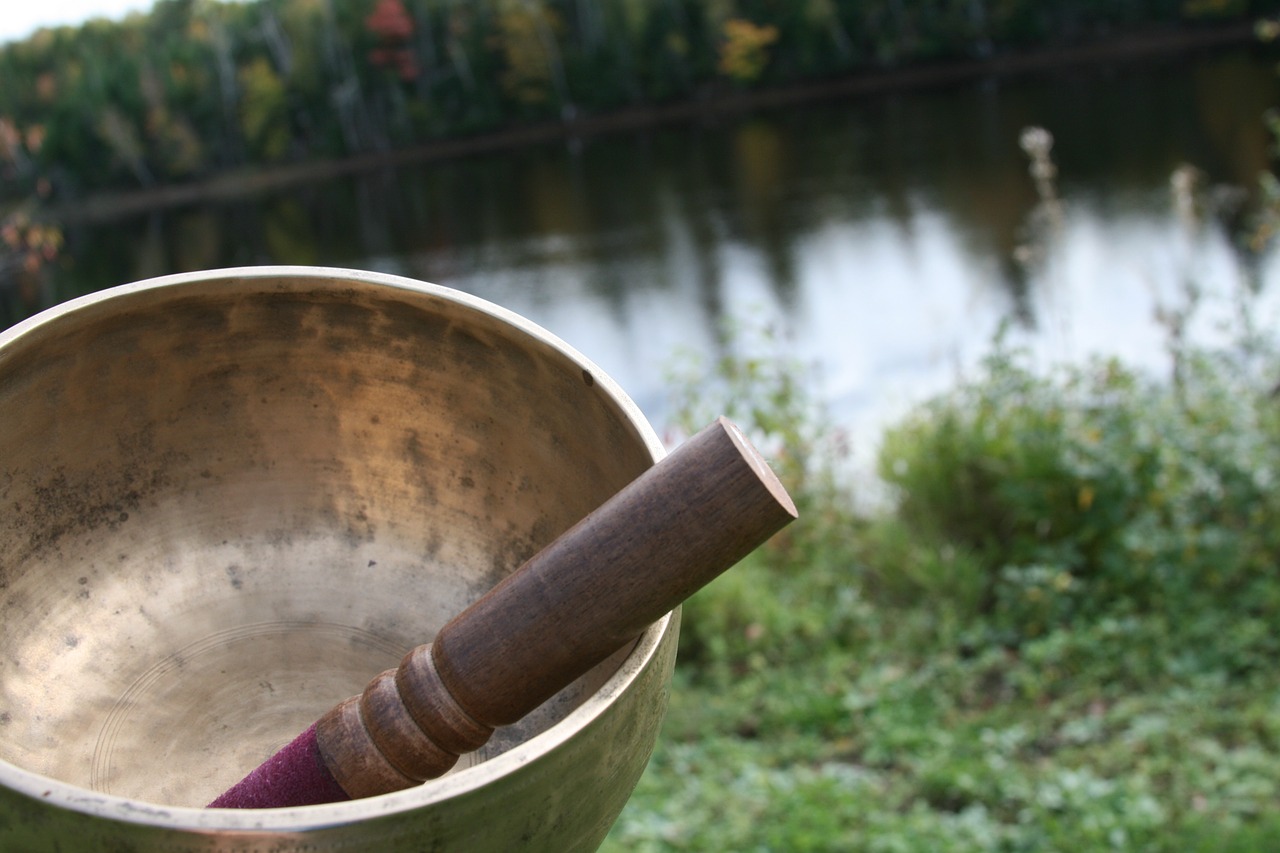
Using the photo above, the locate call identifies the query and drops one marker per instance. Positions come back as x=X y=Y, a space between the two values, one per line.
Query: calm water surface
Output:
x=877 y=234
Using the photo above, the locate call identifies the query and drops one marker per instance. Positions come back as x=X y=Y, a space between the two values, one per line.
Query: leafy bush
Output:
x=1097 y=492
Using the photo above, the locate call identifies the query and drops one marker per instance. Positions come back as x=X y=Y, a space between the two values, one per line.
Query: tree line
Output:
x=196 y=87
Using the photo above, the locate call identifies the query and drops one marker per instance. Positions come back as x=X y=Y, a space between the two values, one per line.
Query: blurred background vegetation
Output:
x=197 y=87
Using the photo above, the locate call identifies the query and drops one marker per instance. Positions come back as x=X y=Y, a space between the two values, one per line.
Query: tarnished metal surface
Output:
x=231 y=498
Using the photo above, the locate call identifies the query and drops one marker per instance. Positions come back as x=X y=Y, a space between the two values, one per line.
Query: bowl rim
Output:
x=55 y=792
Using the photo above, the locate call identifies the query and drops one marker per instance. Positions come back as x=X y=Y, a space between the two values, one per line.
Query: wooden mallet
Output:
x=594 y=589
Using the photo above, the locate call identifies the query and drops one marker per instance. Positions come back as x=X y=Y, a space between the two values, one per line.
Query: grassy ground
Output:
x=1061 y=636
x=894 y=748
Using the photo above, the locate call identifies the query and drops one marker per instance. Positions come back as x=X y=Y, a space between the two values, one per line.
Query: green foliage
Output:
x=262 y=108
x=1098 y=492
x=197 y=86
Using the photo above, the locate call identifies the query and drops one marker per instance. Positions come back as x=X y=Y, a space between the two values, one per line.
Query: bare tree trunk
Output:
x=346 y=95
x=589 y=26
x=426 y=49
x=123 y=139
x=552 y=50
x=228 y=90
x=277 y=41
x=978 y=19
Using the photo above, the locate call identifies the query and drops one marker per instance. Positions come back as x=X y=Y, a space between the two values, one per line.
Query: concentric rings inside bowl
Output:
x=234 y=497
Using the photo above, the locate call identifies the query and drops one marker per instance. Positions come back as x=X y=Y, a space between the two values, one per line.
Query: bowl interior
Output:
x=233 y=499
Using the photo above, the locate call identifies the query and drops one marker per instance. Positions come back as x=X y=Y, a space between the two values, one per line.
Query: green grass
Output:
x=844 y=756
x=1060 y=636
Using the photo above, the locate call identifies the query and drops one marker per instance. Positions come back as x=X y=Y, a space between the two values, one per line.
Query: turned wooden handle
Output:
x=594 y=589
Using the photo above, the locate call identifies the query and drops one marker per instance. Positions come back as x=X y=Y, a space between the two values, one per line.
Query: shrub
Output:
x=1097 y=492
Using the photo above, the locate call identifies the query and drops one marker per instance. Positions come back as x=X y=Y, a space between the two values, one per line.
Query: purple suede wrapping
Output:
x=294 y=776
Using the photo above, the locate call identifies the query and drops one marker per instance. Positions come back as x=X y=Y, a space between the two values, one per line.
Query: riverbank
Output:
x=711 y=106
x=1059 y=637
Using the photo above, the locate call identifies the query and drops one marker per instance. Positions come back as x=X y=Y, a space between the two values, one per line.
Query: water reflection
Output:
x=879 y=232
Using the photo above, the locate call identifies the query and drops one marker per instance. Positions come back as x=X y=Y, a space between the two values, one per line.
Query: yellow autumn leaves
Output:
x=744 y=53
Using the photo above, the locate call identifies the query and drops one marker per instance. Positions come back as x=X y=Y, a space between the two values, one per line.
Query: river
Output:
x=878 y=234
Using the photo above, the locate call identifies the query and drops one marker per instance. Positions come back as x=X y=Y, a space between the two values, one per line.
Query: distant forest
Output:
x=198 y=87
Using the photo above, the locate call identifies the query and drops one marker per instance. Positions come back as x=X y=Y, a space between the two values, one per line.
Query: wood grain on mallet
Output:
x=594 y=589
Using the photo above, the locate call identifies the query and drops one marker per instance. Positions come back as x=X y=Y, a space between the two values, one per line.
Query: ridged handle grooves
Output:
x=591 y=591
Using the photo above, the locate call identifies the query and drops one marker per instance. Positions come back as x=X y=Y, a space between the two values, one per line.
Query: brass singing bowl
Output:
x=231 y=498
